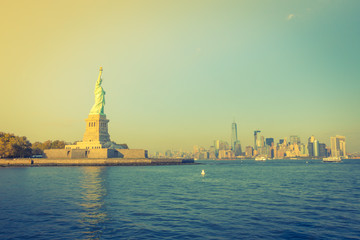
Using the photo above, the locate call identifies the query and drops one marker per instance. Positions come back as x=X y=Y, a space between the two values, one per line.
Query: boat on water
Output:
x=260 y=158
x=332 y=159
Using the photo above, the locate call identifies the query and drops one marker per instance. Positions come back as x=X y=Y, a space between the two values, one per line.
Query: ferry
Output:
x=332 y=159
x=260 y=158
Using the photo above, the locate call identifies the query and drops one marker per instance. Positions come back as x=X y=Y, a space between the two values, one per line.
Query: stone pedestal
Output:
x=96 y=129
x=96 y=134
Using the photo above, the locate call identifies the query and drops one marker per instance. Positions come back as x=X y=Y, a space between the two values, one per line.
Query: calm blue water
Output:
x=234 y=200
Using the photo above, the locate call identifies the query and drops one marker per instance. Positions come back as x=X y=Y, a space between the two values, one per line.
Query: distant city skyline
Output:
x=266 y=148
x=177 y=72
x=331 y=141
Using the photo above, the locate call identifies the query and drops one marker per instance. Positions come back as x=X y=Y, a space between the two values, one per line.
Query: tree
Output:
x=58 y=144
x=38 y=147
x=46 y=145
x=12 y=146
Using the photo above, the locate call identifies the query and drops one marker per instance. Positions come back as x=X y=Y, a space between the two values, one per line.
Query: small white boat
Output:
x=203 y=172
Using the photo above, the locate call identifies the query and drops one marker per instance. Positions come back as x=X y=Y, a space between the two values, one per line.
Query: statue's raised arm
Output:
x=98 y=107
x=99 y=80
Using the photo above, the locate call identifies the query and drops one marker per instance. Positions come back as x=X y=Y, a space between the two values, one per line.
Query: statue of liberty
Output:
x=98 y=107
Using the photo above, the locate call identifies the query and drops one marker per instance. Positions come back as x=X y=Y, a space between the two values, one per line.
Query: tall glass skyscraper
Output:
x=234 y=137
x=338 y=146
x=235 y=143
x=316 y=148
x=269 y=141
x=255 y=138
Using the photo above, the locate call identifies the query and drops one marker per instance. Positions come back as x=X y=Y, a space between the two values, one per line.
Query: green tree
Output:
x=57 y=144
x=46 y=145
x=37 y=148
x=12 y=146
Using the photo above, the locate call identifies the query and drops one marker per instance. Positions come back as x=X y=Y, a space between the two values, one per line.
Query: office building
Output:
x=235 y=143
x=237 y=150
x=338 y=146
x=310 y=146
x=255 y=138
x=234 y=137
x=249 y=151
x=322 y=150
x=316 y=148
x=269 y=141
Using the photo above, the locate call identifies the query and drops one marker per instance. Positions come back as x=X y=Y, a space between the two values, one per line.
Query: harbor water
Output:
x=275 y=199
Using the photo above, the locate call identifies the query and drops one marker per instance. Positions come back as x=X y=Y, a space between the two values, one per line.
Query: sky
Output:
x=178 y=73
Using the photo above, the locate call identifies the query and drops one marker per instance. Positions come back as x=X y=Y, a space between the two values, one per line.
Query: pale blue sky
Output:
x=177 y=73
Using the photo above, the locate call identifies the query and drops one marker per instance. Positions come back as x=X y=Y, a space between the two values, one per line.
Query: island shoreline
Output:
x=41 y=162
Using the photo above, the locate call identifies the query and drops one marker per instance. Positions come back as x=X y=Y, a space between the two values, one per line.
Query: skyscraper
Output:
x=212 y=152
x=234 y=137
x=235 y=143
x=316 y=148
x=217 y=147
x=322 y=150
x=255 y=138
x=237 y=151
x=269 y=141
x=310 y=146
x=249 y=151
x=338 y=146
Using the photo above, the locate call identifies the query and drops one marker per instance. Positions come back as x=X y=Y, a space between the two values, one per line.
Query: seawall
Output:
x=38 y=162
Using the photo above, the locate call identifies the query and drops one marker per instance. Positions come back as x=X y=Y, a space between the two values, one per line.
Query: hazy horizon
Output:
x=178 y=73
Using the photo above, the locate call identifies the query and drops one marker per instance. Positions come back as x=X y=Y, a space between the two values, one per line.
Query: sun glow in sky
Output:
x=177 y=73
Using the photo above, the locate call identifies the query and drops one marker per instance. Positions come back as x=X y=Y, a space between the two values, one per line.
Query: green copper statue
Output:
x=98 y=107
